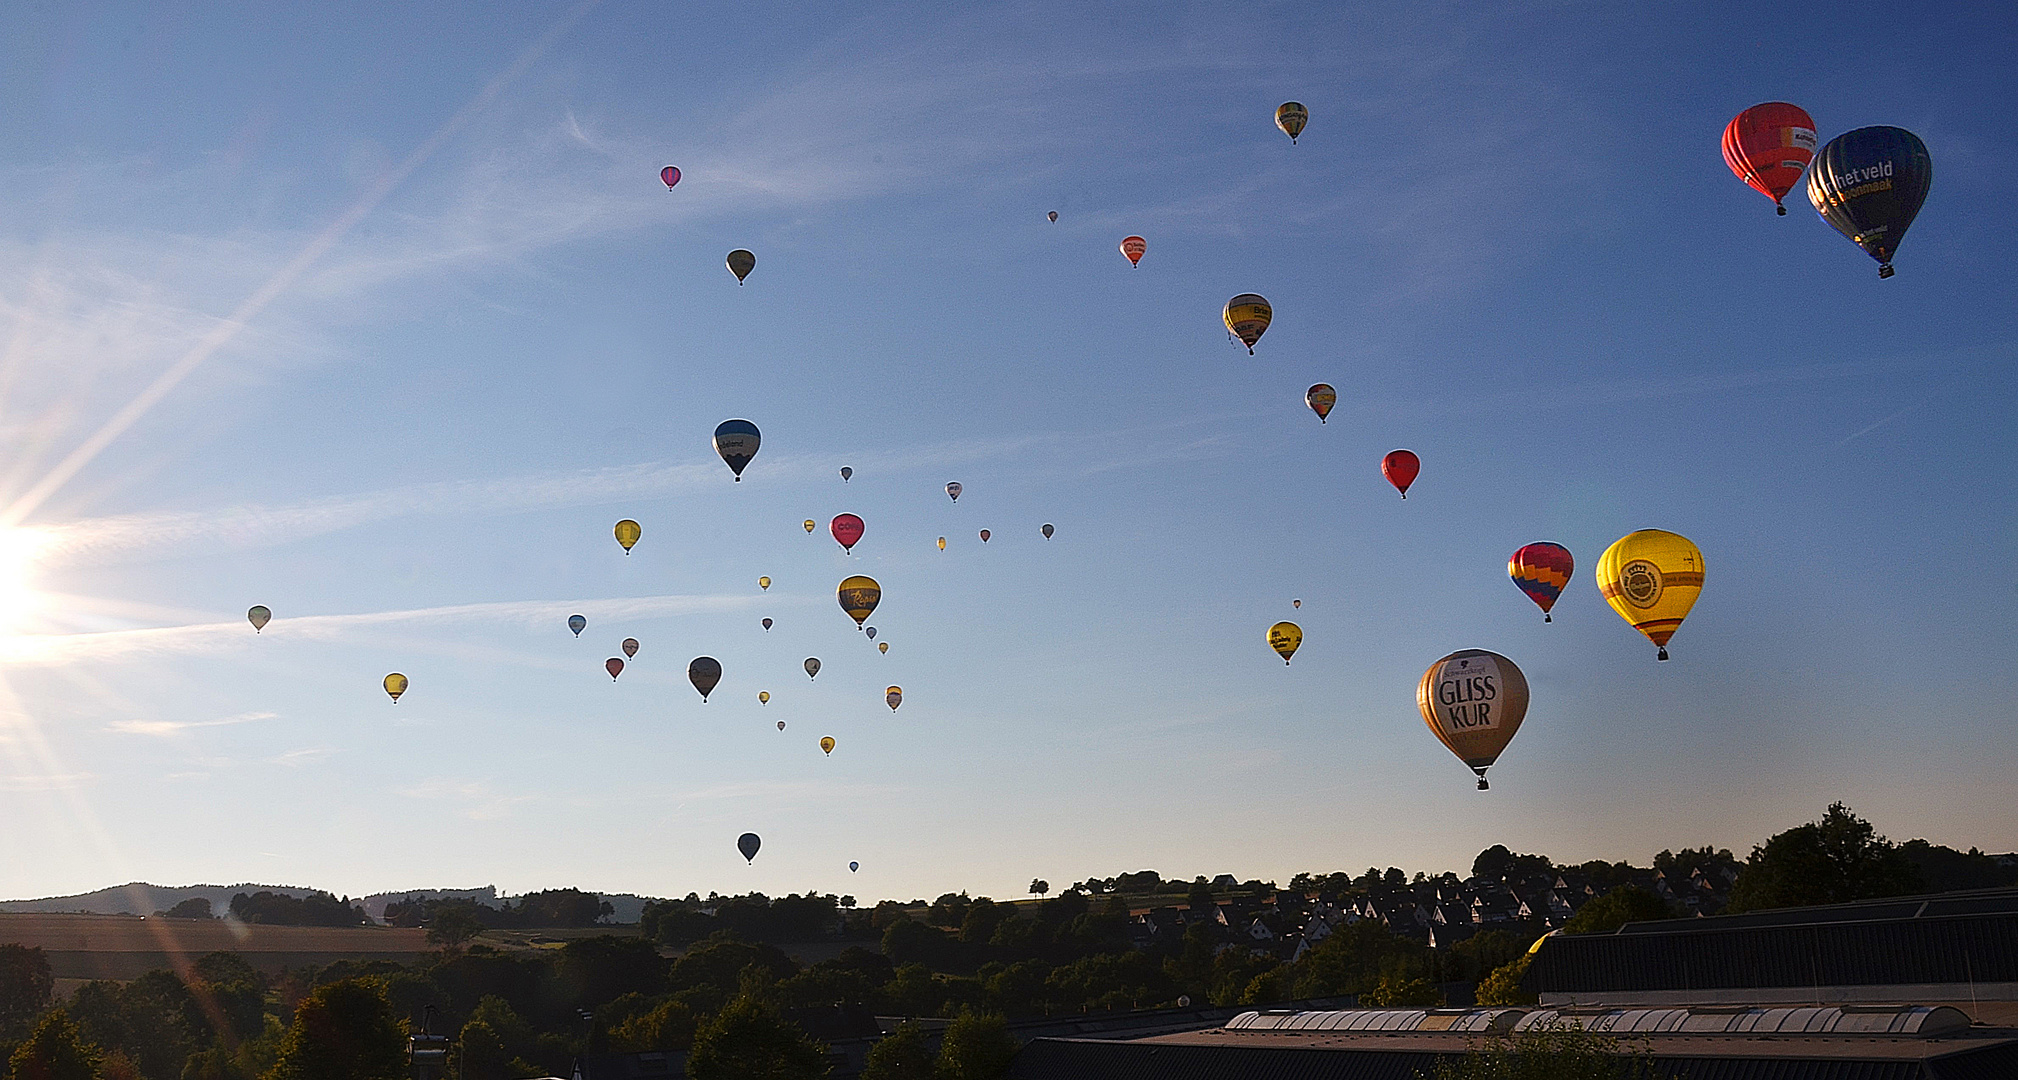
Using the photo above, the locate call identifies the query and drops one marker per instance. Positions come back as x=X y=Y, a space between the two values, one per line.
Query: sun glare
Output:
x=19 y=600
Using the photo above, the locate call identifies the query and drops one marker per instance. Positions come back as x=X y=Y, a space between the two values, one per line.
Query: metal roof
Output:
x=1853 y=1020
x=1442 y=1021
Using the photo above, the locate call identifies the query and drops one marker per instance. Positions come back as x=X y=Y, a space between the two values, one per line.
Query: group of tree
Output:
x=549 y=908
x=280 y=909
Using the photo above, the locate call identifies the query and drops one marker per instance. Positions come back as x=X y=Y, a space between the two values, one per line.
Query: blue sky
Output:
x=380 y=317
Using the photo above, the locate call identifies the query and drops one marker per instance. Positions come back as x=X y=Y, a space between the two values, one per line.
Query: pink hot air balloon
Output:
x=847 y=528
x=671 y=175
x=1133 y=247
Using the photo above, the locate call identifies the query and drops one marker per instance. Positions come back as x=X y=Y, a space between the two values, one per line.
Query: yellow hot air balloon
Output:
x=883 y=647
x=763 y=697
x=1247 y=317
x=811 y=525
x=628 y=532
x=859 y=596
x=1285 y=638
x=741 y=262
x=942 y=543
x=1290 y=116
x=395 y=684
x=1473 y=701
x=764 y=583
x=827 y=744
x=1652 y=578
x=894 y=696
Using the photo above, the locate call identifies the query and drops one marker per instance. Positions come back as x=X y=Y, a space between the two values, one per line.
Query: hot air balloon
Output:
x=671 y=175
x=811 y=524
x=615 y=666
x=894 y=697
x=883 y=647
x=1284 y=638
x=764 y=697
x=1401 y=467
x=628 y=532
x=826 y=744
x=1320 y=398
x=942 y=543
x=1768 y=146
x=704 y=673
x=1290 y=116
x=847 y=528
x=741 y=262
x=846 y=473
x=985 y=534
x=258 y=615
x=630 y=647
x=748 y=843
x=1541 y=570
x=1652 y=578
x=953 y=490
x=1869 y=183
x=1474 y=701
x=395 y=684
x=781 y=725
x=1053 y=215
x=764 y=583
x=1133 y=247
x=767 y=624
x=1296 y=603
x=1047 y=530
x=859 y=596
x=812 y=667
x=578 y=623
x=854 y=866
x=871 y=631
x=737 y=442
x=1247 y=317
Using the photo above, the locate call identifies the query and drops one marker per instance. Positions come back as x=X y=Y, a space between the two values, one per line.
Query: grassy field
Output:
x=124 y=946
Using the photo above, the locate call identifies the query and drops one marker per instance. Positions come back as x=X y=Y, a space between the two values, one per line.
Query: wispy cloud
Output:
x=162 y=729
x=46 y=781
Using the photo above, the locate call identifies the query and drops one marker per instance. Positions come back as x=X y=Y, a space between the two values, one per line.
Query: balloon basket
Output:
x=1548 y=618
x=1482 y=785
x=1662 y=655
x=1783 y=211
x=1884 y=271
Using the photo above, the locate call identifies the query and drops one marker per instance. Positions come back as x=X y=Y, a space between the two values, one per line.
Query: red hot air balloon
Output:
x=615 y=666
x=671 y=175
x=1401 y=468
x=1541 y=570
x=1133 y=247
x=1768 y=146
x=847 y=528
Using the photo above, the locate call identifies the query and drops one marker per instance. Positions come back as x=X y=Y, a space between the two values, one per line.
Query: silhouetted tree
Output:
x=55 y=1050
x=343 y=1031
x=748 y=1040
x=902 y=1055
x=25 y=985
x=1832 y=861
x=976 y=1046
x=1627 y=903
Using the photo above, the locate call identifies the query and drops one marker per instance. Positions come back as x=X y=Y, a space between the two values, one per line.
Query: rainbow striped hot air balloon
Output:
x=1541 y=570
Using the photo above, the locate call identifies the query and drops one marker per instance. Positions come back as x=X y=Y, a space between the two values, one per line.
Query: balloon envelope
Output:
x=942 y=543
x=395 y=684
x=1296 y=603
x=767 y=624
x=1768 y=146
x=781 y=725
x=748 y=843
x=826 y=744
x=1474 y=702
x=883 y=647
x=871 y=631
x=812 y=667
x=1284 y=638
x=741 y=262
x=985 y=534
x=764 y=583
x=846 y=473
x=858 y=596
x=854 y=866
x=1869 y=183
x=894 y=696
x=628 y=532
x=578 y=624
x=630 y=646
x=1247 y=317
x=1133 y=247
x=1290 y=116
x=1047 y=530
x=737 y=442
x=954 y=489
x=763 y=697
x=258 y=615
x=1541 y=570
x=1401 y=467
x=615 y=666
x=1320 y=398
x=704 y=673
x=811 y=524
x=1652 y=578
x=1053 y=215
x=670 y=174
x=848 y=529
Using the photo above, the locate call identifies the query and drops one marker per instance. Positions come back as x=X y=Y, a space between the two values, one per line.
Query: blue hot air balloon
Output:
x=578 y=624
x=748 y=843
x=1869 y=183
x=737 y=441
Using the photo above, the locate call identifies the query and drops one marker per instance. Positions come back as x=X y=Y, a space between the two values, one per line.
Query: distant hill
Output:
x=141 y=898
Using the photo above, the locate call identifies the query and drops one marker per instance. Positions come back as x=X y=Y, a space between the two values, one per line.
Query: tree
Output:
x=599 y=969
x=1039 y=886
x=451 y=927
x=342 y=1031
x=669 y=1026
x=1832 y=861
x=1945 y=870
x=56 y=1050
x=1401 y=991
x=976 y=1046
x=902 y=1055
x=196 y=907
x=25 y=985
x=1627 y=903
x=749 y=1041
x=1502 y=986
x=1553 y=1052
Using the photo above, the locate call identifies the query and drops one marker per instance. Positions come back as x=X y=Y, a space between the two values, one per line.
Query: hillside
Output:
x=141 y=898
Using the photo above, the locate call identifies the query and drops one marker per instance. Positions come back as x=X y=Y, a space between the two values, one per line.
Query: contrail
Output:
x=222 y=334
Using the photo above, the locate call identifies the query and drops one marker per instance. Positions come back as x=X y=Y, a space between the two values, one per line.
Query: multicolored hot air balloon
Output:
x=1541 y=570
x=848 y=529
x=615 y=666
x=630 y=647
x=1320 y=397
x=628 y=532
x=858 y=596
x=764 y=583
x=1047 y=530
x=1247 y=317
x=894 y=697
x=705 y=672
x=258 y=615
x=847 y=473
x=826 y=744
x=741 y=262
x=748 y=843
x=1401 y=467
x=1474 y=702
x=737 y=442
x=578 y=623
x=395 y=684
x=1290 y=116
x=1869 y=184
x=1285 y=638
x=1133 y=247
x=1652 y=578
x=671 y=175
x=953 y=490
x=1296 y=603
x=812 y=667
x=1768 y=146
x=1053 y=215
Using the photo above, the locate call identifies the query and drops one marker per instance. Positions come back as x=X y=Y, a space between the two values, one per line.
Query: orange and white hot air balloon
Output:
x=1133 y=247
